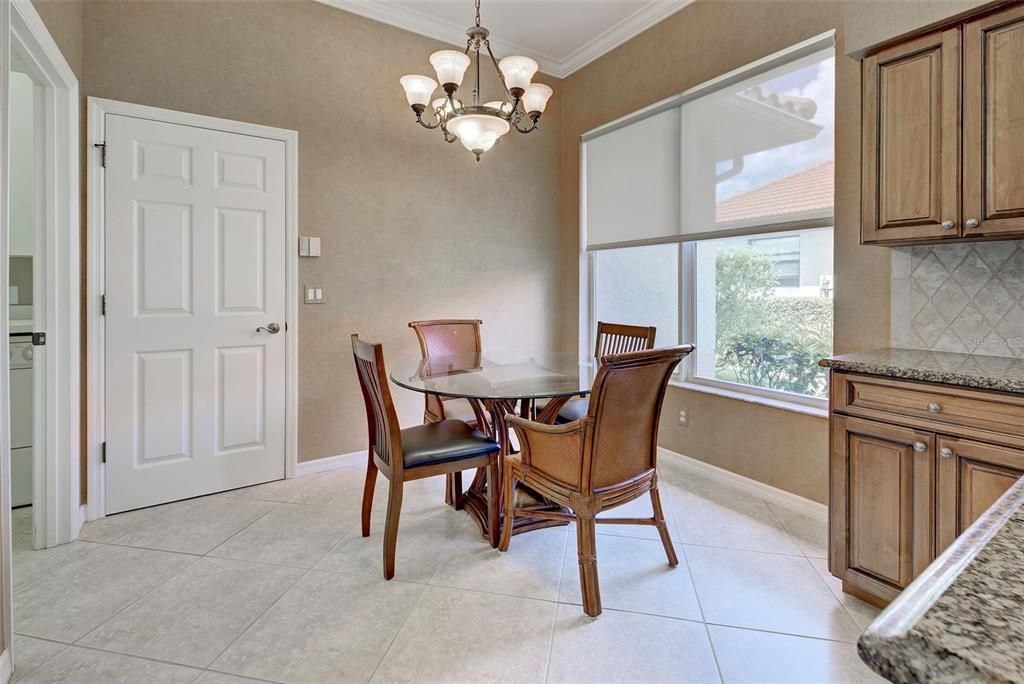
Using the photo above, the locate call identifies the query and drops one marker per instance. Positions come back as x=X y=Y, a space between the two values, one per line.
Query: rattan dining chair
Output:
x=437 y=448
x=603 y=460
x=612 y=338
x=445 y=337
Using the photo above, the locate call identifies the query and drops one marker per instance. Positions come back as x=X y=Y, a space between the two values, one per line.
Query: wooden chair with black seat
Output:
x=612 y=338
x=437 y=448
x=603 y=460
x=446 y=337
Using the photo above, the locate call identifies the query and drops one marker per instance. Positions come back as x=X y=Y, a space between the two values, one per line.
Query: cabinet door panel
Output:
x=881 y=516
x=971 y=476
x=911 y=140
x=994 y=124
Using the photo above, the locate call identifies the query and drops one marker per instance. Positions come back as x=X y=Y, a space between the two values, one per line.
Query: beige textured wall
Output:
x=411 y=228
x=63 y=19
x=706 y=39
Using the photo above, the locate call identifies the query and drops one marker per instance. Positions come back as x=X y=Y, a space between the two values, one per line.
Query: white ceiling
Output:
x=562 y=35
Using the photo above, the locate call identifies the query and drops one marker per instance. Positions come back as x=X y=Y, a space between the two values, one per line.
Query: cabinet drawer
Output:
x=881 y=398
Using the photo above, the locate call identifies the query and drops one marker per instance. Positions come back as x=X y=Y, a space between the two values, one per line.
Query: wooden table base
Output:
x=475 y=497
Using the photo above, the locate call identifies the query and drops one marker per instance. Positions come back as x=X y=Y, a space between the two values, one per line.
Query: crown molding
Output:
x=449 y=32
x=630 y=27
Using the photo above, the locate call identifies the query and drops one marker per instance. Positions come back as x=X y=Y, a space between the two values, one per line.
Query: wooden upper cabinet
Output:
x=881 y=504
x=911 y=140
x=993 y=126
x=971 y=476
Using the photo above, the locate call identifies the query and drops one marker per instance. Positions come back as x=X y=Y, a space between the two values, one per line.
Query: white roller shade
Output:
x=748 y=153
x=632 y=181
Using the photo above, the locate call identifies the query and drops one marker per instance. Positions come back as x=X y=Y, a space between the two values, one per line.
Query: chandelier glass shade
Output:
x=477 y=126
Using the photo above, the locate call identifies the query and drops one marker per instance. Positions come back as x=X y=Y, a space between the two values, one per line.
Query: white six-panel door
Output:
x=195 y=276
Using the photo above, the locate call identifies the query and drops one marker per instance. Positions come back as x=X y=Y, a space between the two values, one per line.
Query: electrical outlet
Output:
x=684 y=418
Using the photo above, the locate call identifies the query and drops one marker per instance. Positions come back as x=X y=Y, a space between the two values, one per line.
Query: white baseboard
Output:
x=6 y=666
x=322 y=465
x=773 y=495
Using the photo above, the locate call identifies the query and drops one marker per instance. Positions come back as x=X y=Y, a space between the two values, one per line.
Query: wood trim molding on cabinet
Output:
x=991 y=206
x=910 y=186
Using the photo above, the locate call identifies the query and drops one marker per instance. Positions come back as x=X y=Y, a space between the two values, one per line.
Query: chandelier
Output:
x=477 y=126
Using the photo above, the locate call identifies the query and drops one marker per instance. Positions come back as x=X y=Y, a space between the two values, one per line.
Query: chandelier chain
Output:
x=478 y=13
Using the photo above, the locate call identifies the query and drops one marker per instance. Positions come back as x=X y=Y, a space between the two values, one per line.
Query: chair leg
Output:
x=455 y=486
x=659 y=522
x=586 y=546
x=391 y=528
x=493 y=490
x=449 y=499
x=368 y=486
x=508 y=495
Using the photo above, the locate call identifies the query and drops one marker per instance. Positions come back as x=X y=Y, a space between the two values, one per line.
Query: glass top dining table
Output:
x=502 y=375
x=497 y=384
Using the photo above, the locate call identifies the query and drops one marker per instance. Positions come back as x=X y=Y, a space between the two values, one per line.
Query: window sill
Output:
x=781 y=404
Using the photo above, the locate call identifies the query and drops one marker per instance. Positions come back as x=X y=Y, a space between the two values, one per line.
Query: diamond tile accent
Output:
x=1012 y=272
x=952 y=255
x=950 y=300
x=960 y=297
x=972 y=274
x=930 y=274
x=971 y=328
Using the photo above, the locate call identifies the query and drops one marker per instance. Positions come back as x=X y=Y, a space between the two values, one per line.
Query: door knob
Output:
x=934 y=408
x=272 y=328
x=920 y=447
x=948 y=225
x=946 y=452
x=972 y=223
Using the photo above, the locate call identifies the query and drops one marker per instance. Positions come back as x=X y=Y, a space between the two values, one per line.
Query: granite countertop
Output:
x=967 y=370
x=962 y=619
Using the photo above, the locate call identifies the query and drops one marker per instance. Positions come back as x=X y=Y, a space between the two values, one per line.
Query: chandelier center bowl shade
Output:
x=477 y=126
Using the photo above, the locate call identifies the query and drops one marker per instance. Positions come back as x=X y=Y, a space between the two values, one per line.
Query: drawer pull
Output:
x=934 y=408
x=946 y=452
x=920 y=447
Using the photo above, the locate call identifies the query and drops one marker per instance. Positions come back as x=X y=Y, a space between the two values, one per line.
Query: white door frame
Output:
x=56 y=509
x=98 y=109
x=6 y=663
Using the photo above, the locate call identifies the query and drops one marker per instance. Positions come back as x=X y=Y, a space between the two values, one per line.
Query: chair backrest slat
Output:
x=625 y=404
x=448 y=336
x=617 y=338
x=381 y=418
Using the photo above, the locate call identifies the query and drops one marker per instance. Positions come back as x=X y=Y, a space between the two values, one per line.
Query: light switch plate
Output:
x=313 y=294
x=309 y=246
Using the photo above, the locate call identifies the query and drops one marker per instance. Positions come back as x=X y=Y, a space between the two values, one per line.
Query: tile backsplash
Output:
x=966 y=297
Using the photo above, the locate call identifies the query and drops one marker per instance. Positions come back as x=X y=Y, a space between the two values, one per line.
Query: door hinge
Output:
x=103 y=153
x=103 y=452
x=103 y=304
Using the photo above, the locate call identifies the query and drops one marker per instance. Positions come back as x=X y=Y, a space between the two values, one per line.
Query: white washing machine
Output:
x=22 y=424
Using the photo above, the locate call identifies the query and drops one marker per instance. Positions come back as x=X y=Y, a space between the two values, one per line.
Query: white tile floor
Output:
x=275 y=583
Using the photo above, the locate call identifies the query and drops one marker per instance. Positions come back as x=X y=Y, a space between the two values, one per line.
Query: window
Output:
x=709 y=215
x=755 y=327
x=785 y=255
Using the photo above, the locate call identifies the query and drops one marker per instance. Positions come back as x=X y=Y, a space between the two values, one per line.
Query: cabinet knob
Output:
x=971 y=223
x=920 y=447
x=948 y=225
x=946 y=452
x=934 y=408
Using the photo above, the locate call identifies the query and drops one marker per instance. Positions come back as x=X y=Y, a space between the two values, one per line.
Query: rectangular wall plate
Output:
x=309 y=246
x=311 y=294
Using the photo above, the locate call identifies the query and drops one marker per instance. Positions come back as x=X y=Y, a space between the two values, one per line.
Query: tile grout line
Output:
x=558 y=603
x=254 y=620
x=391 y=642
